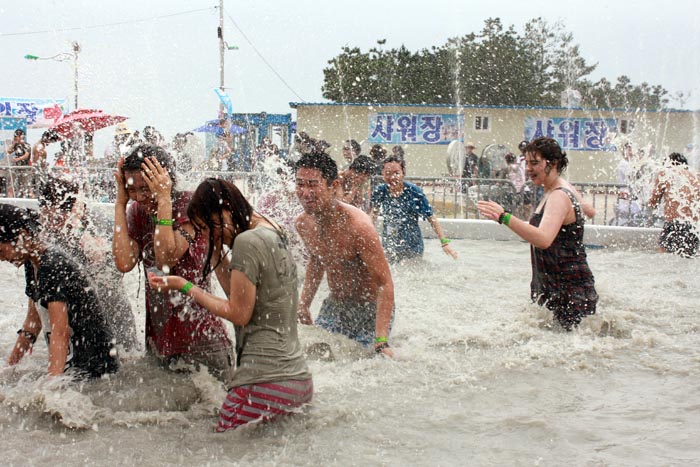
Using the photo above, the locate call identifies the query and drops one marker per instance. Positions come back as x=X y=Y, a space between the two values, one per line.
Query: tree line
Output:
x=497 y=66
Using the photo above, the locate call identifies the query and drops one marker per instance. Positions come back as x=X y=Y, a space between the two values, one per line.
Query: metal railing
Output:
x=456 y=198
x=450 y=197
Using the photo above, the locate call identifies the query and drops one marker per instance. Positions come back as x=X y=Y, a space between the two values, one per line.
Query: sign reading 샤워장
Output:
x=409 y=128
x=577 y=134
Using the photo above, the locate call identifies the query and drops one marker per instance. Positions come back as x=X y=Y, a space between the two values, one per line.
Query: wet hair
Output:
x=301 y=137
x=321 y=145
x=354 y=145
x=49 y=136
x=510 y=158
x=363 y=165
x=321 y=162
x=377 y=152
x=14 y=220
x=398 y=151
x=400 y=160
x=138 y=154
x=523 y=144
x=58 y=194
x=550 y=151
x=211 y=198
x=677 y=158
x=19 y=132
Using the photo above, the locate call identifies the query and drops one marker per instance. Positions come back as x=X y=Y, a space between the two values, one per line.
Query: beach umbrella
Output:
x=212 y=126
x=84 y=121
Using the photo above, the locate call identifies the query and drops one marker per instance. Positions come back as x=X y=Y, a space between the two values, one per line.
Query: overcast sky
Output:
x=161 y=71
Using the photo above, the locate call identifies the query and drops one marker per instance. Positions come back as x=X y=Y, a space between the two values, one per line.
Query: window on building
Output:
x=481 y=123
x=626 y=126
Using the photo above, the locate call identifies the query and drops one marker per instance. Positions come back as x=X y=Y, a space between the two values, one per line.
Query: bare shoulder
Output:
x=357 y=218
x=304 y=222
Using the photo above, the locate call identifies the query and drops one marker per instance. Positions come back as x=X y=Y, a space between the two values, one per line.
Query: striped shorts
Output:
x=263 y=401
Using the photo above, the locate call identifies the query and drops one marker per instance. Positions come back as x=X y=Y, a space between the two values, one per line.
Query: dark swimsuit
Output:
x=679 y=237
x=561 y=278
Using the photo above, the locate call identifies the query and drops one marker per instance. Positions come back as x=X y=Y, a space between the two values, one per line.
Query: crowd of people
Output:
x=179 y=237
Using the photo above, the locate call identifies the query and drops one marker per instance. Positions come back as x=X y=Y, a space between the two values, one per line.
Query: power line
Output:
x=263 y=58
x=106 y=25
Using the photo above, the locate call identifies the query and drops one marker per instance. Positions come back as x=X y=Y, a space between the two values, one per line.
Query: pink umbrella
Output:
x=84 y=121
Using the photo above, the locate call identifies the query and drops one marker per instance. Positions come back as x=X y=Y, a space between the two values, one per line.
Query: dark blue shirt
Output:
x=401 y=234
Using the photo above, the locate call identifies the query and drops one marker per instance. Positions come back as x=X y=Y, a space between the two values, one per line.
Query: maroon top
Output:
x=175 y=325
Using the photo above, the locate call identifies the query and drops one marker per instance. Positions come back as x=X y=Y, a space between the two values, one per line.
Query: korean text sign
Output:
x=577 y=134
x=409 y=128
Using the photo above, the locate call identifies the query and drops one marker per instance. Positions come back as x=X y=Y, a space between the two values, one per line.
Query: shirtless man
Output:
x=343 y=245
x=680 y=190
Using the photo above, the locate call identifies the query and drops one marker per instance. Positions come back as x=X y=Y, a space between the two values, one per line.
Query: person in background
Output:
x=527 y=192
x=154 y=229
x=679 y=188
x=20 y=153
x=515 y=176
x=397 y=151
x=119 y=146
x=351 y=149
x=153 y=136
x=470 y=170
x=484 y=167
x=378 y=154
x=260 y=282
x=62 y=302
x=627 y=210
x=342 y=245
x=401 y=204
x=561 y=278
x=39 y=154
x=354 y=187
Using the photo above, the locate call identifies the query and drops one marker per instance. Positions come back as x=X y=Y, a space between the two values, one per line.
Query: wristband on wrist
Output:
x=444 y=241
x=378 y=340
x=186 y=288
x=165 y=222
x=504 y=218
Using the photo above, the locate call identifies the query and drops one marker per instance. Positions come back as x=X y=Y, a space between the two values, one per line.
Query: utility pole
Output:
x=76 y=50
x=222 y=48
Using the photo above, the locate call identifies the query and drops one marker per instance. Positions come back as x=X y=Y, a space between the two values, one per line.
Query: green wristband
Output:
x=165 y=222
x=506 y=218
x=445 y=241
x=186 y=288
x=377 y=340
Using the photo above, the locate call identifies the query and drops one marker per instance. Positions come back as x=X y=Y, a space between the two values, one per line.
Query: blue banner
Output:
x=574 y=134
x=409 y=128
x=39 y=113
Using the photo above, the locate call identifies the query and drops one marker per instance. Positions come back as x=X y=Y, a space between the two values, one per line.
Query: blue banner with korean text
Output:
x=574 y=134
x=409 y=128
x=39 y=113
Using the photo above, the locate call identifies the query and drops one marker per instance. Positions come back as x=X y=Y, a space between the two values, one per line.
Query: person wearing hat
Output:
x=471 y=163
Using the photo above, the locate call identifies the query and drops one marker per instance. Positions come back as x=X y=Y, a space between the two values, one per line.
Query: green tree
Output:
x=497 y=66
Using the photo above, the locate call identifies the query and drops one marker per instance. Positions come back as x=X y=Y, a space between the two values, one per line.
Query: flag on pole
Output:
x=225 y=100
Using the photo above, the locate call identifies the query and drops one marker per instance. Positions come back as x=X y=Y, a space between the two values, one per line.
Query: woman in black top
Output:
x=61 y=301
x=561 y=278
